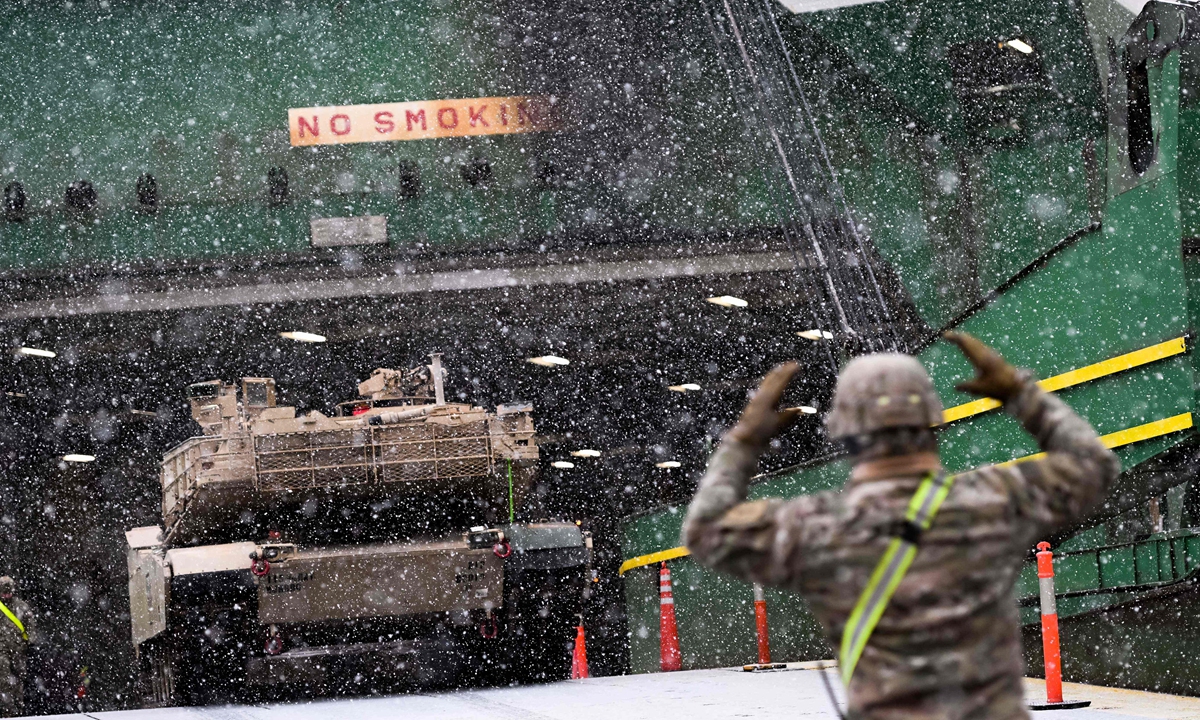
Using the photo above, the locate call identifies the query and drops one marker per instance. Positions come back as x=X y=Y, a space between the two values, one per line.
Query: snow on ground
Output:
x=695 y=695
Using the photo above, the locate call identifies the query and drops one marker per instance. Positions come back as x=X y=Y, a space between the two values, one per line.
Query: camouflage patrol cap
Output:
x=882 y=391
x=7 y=584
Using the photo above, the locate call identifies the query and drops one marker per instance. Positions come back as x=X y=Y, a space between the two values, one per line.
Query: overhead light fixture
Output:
x=10 y=393
x=36 y=352
x=548 y=360
x=668 y=464
x=810 y=6
x=686 y=387
x=1020 y=45
x=562 y=464
x=728 y=301
x=299 y=336
x=78 y=458
x=815 y=334
x=586 y=453
x=807 y=409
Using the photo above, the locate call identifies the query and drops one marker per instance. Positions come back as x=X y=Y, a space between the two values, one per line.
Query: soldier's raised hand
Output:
x=762 y=419
x=995 y=377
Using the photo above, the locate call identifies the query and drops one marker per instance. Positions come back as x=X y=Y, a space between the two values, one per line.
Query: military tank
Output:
x=350 y=552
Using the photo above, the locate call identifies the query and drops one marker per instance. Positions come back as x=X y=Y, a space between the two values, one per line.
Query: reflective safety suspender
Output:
x=15 y=621
x=891 y=570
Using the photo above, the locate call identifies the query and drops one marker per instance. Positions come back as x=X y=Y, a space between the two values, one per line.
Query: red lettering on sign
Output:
x=333 y=124
x=410 y=116
x=383 y=123
x=523 y=114
x=477 y=116
x=453 y=115
x=503 y=114
x=315 y=128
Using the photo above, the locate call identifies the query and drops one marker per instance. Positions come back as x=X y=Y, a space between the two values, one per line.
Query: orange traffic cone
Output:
x=760 y=625
x=1050 y=649
x=668 y=631
x=579 y=668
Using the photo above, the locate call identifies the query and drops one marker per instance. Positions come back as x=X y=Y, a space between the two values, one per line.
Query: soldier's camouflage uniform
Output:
x=12 y=657
x=948 y=645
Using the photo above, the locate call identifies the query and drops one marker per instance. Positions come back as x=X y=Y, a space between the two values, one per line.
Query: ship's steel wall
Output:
x=1094 y=292
x=197 y=94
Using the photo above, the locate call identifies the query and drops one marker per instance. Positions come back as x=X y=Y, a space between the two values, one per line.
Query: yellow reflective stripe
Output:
x=938 y=499
x=656 y=557
x=15 y=621
x=1128 y=436
x=888 y=573
x=914 y=505
x=1081 y=375
x=855 y=639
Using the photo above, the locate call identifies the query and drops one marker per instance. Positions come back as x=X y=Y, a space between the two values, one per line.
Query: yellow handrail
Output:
x=1120 y=363
x=1128 y=436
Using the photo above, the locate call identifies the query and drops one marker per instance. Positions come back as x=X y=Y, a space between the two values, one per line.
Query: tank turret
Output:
x=399 y=442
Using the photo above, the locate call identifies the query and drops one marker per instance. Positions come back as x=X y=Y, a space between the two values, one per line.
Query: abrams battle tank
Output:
x=350 y=552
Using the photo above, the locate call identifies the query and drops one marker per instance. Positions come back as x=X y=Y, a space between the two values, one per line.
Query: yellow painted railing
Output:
x=1128 y=436
x=1068 y=379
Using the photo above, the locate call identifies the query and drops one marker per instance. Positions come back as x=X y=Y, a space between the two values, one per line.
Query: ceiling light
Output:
x=299 y=336
x=668 y=464
x=808 y=6
x=77 y=458
x=548 y=360
x=1020 y=45
x=728 y=301
x=815 y=334
x=807 y=409
x=586 y=453
x=35 y=352
x=693 y=387
x=562 y=464
x=10 y=393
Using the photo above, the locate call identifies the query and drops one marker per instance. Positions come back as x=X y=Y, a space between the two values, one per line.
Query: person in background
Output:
x=947 y=643
x=17 y=629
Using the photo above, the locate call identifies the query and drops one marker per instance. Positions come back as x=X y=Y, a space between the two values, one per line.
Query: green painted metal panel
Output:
x=804 y=481
x=1189 y=170
x=1075 y=572
x=1027 y=199
x=1117 y=568
x=1146 y=563
x=715 y=616
x=910 y=192
x=197 y=94
x=904 y=43
x=650 y=533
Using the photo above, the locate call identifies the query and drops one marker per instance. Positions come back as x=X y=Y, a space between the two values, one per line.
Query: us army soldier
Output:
x=947 y=645
x=16 y=628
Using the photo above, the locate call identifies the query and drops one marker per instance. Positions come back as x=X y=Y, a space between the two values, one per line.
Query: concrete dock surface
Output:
x=720 y=694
